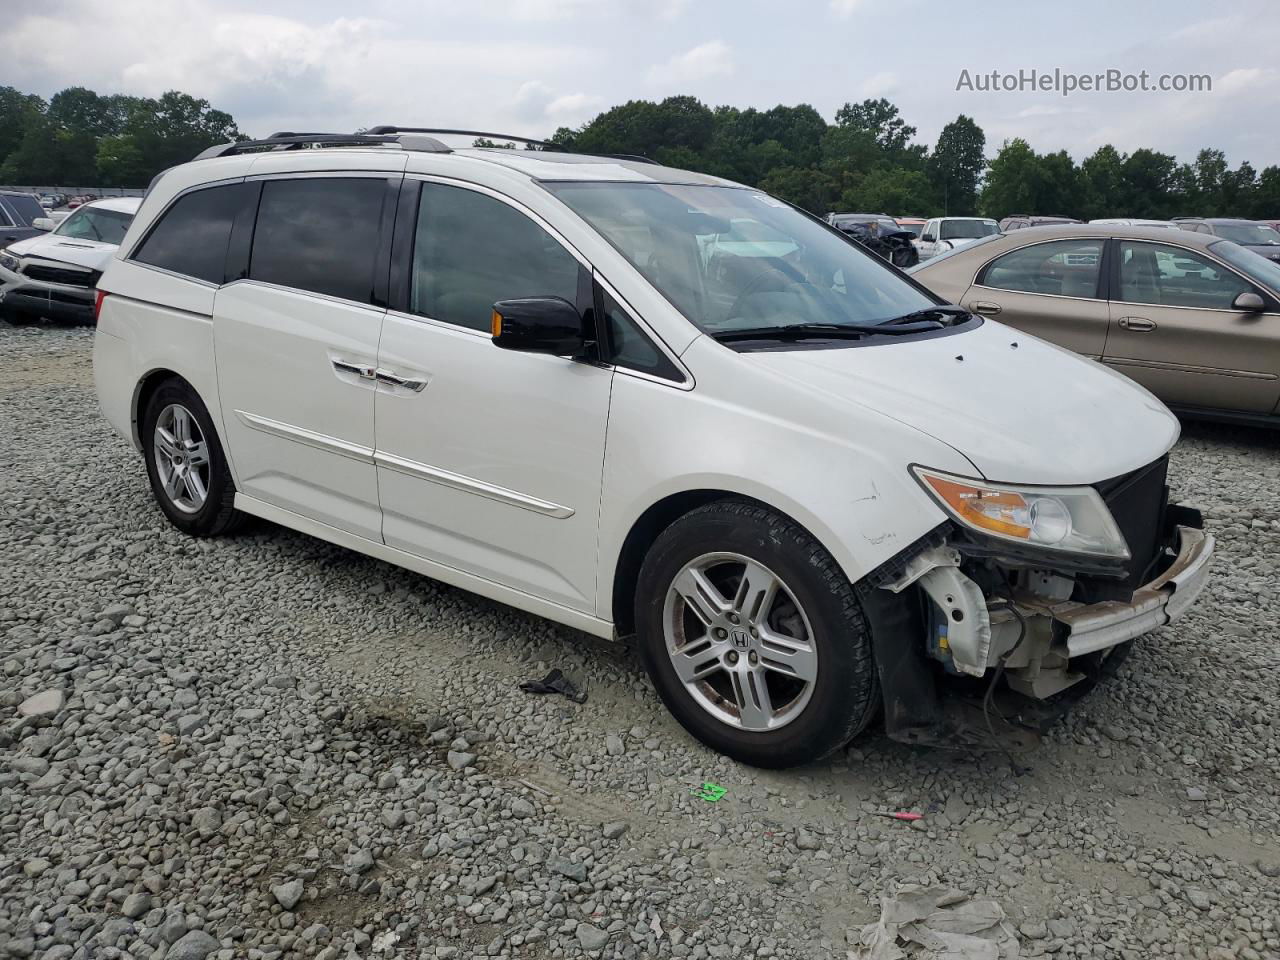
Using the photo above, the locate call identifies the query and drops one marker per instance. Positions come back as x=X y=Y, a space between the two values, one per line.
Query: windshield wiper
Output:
x=937 y=311
x=825 y=331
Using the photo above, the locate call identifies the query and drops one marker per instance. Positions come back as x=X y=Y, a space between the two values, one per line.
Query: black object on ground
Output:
x=555 y=682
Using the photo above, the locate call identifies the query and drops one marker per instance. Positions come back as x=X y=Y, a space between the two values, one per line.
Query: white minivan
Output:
x=804 y=486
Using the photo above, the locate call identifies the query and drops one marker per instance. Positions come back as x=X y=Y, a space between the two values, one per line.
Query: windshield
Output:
x=912 y=228
x=1255 y=266
x=734 y=259
x=1255 y=234
x=95 y=223
x=968 y=229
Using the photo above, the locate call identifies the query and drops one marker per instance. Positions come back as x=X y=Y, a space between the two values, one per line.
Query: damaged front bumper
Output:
x=1099 y=626
x=984 y=617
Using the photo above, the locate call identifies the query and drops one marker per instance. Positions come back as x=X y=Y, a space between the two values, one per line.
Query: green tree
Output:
x=18 y=110
x=1151 y=185
x=1102 y=184
x=881 y=119
x=956 y=165
x=806 y=187
x=1013 y=178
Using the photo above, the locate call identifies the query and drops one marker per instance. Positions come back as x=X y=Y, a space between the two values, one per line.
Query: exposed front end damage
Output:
x=954 y=616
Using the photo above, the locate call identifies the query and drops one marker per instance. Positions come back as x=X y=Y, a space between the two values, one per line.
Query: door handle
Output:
x=409 y=383
x=985 y=307
x=1137 y=324
x=361 y=370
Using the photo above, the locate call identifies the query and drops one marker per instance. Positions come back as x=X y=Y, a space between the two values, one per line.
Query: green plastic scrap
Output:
x=710 y=792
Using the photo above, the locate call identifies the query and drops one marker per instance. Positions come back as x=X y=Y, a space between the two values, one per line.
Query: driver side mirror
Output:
x=1249 y=302
x=539 y=325
x=42 y=223
x=928 y=237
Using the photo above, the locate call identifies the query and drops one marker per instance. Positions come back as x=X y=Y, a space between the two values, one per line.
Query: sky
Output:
x=530 y=66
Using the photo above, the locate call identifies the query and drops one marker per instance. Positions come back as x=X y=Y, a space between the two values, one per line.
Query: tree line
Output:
x=82 y=137
x=866 y=160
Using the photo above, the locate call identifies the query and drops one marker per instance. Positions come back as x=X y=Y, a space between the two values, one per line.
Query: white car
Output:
x=54 y=275
x=1132 y=222
x=803 y=485
x=941 y=234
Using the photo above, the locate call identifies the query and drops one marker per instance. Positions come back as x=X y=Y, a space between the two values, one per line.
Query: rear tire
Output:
x=734 y=600
x=185 y=463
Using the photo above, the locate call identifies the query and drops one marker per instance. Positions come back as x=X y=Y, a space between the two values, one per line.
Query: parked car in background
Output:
x=54 y=275
x=1019 y=221
x=1192 y=317
x=950 y=233
x=648 y=403
x=48 y=202
x=18 y=213
x=1259 y=237
x=912 y=224
x=882 y=235
x=1130 y=222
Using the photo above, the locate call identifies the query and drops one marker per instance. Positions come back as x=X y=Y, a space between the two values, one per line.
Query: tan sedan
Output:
x=1192 y=317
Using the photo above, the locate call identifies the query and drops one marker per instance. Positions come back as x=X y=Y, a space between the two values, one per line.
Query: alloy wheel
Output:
x=181 y=458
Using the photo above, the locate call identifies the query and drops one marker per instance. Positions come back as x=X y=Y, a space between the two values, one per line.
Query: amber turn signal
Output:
x=495 y=324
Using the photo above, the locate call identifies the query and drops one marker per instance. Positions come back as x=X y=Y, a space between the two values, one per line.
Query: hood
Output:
x=959 y=242
x=1030 y=413
x=83 y=253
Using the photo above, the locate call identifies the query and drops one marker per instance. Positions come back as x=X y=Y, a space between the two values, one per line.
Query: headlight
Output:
x=1071 y=519
x=9 y=262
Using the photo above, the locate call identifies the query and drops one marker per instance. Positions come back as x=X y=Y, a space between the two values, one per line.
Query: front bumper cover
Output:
x=1098 y=626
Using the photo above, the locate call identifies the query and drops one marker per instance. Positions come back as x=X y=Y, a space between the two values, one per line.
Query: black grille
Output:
x=1137 y=501
x=65 y=275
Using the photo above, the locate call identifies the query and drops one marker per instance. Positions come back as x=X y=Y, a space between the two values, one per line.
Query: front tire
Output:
x=185 y=463
x=754 y=637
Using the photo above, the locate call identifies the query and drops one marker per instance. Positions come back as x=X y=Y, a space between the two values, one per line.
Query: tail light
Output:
x=99 y=296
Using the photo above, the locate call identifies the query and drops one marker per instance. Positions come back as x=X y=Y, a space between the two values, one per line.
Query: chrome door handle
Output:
x=1137 y=324
x=984 y=307
x=361 y=370
x=391 y=379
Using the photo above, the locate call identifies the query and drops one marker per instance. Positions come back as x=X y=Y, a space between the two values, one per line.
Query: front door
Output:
x=297 y=347
x=1174 y=331
x=488 y=460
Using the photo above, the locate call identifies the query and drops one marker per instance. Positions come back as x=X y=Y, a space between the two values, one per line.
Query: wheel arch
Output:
x=146 y=386
x=658 y=516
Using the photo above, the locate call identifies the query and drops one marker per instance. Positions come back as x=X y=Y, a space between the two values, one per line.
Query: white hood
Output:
x=1030 y=413
x=83 y=253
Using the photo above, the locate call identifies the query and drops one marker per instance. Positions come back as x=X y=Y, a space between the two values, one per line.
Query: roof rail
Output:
x=294 y=141
x=540 y=144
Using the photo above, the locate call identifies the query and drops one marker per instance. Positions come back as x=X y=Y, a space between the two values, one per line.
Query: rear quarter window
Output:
x=191 y=237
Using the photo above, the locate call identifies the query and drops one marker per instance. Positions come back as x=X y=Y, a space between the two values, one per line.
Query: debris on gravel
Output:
x=266 y=746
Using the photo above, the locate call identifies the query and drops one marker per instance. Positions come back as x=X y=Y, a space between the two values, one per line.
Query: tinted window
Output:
x=1175 y=277
x=471 y=250
x=1065 y=268
x=968 y=229
x=319 y=234
x=95 y=223
x=27 y=208
x=191 y=237
x=629 y=346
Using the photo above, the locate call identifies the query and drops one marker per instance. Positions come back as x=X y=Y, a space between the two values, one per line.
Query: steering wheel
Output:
x=789 y=274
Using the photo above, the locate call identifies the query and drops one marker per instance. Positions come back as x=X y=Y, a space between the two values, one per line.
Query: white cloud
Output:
x=844 y=9
x=574 y=108
x=712 y=59
x=879 y=84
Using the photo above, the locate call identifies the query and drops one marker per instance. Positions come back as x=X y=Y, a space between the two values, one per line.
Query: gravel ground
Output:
x=266 y=746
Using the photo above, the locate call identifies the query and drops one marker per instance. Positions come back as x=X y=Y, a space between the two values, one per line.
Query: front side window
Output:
x=319 y=234
x=471 y=251
x=628 y=346
x=96 y=223
x=191 y=237
x=1255 y=266
x=787 y=269
x=1063 y=268
x=27 y=208
x=1175 y=277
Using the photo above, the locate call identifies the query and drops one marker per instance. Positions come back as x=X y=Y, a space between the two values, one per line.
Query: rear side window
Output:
x=472 y=250
x=1063 y=268
x=191 y=236
x=319 y=234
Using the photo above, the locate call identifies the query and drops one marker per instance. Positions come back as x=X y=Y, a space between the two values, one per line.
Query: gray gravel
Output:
x=266 y=746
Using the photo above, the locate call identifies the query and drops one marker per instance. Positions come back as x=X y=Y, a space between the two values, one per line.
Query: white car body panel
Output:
x=475 y=472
